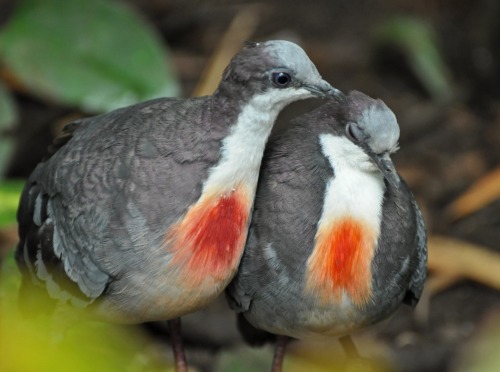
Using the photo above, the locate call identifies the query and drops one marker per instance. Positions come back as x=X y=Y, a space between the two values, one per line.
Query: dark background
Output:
x=449 y=147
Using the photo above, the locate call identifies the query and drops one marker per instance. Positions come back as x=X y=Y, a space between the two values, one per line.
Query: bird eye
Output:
x=281 y=79
x=353 y=132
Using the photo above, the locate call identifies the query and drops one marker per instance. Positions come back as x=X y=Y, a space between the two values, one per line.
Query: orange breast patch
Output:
x=341 y=261
x=209 y=240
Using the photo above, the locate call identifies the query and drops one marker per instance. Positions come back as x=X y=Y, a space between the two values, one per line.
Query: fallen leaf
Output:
x=480 y=194
x=241 y=28
x=457 y=258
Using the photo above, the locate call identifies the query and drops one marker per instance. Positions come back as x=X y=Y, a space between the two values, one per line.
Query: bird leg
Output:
x=174 y=327
x=349 y=347
x=279 y=353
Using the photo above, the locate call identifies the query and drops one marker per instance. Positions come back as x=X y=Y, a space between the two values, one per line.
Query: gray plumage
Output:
x=93 y=215
x=269 y=288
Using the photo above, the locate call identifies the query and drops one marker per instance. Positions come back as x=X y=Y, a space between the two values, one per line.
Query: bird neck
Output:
x=242 y=149
x=208 y=242
x=339 y=268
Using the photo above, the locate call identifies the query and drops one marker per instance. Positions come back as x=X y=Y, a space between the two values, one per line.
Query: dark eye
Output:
x=353 y=132
x=281 y=79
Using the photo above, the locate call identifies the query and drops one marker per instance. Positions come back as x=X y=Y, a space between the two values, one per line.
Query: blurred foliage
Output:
x=28 y=344
x=416 y=40
x=10 y=192
x=95 y=54
x=246 y=359
x=326 y=356
x=8 y=116
x=323 y=356
x=481 y=353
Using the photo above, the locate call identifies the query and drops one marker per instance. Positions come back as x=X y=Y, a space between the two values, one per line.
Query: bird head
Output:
x=281 y=69
x=366 y=133
x=372 y=126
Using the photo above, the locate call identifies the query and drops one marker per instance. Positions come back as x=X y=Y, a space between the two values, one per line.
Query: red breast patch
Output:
x=209 y=240
x=341 y=261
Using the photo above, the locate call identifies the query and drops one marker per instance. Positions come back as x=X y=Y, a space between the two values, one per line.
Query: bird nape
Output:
x=336 y=240
x=114 y=210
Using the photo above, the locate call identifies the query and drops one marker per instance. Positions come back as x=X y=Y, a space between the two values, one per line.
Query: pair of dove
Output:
x=151 y=211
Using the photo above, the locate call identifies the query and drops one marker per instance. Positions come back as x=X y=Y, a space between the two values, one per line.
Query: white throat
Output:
x=357 y=189
x=243 y=148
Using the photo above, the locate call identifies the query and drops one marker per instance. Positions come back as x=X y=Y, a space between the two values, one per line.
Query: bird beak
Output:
x=324 y=89
x=387 y=168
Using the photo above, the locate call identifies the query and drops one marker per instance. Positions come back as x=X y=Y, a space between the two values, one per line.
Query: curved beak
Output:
x=324 y=89
x=387 y=168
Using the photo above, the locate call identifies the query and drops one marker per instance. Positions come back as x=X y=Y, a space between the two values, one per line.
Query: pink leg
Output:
x=279 y=353
x=174 y=326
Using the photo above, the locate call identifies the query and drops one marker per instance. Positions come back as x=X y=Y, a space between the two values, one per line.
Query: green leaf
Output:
x=96 y=54
x=10 y=193
x=8 y=116
x=418 y=42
